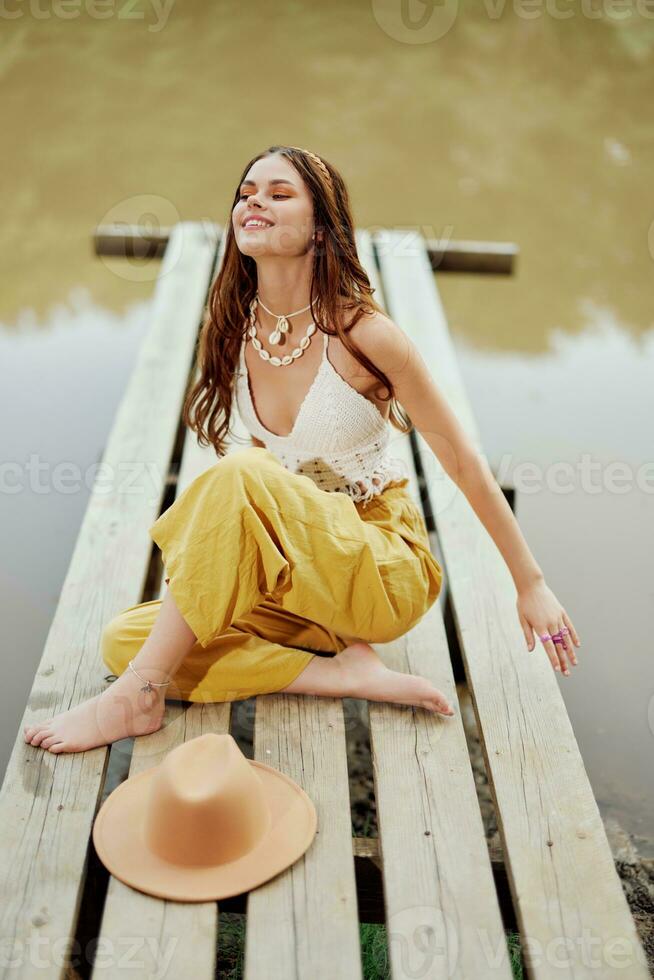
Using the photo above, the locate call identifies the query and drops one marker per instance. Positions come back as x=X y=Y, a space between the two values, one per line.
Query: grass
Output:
x=374 y=950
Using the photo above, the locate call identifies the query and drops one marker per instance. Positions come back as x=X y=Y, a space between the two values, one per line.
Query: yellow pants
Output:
x=265 y=567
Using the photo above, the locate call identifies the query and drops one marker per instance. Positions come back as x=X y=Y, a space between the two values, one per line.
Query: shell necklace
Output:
x=276 y=335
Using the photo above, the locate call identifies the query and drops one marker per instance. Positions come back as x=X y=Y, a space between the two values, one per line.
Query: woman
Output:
x=287 y=559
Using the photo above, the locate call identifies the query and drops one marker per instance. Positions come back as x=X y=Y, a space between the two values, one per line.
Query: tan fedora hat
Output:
x=205 y=824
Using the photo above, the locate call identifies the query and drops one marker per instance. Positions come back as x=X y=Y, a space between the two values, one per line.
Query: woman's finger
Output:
x=528 y=632
x=557 y=643
x=545 y=638
x=573 y=632
x=567 y=646
x=560 y=647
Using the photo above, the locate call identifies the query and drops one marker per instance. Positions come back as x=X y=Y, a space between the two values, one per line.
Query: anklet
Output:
x=149 y=685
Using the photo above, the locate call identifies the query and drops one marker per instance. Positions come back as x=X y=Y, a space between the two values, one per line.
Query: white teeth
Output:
x=256 y=224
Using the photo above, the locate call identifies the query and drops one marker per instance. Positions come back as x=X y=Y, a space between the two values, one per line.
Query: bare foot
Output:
x=122 y=711
x=358 y=672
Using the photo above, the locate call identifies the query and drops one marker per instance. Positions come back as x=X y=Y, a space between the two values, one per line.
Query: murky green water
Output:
x=484 y=121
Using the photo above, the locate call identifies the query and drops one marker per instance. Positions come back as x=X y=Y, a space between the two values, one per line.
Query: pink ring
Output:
x=545 y=637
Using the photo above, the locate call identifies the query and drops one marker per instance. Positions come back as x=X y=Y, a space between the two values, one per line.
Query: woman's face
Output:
x=274 y=193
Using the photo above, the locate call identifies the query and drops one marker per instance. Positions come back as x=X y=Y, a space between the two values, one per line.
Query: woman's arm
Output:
x=389 y=348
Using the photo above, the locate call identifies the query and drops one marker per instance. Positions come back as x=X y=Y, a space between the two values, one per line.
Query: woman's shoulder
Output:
x=362 y=319
x=381 y=341
x=378 y=336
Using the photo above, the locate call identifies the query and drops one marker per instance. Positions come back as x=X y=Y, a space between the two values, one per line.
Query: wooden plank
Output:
x=48 y=801
x=370 y=888
x=135 y=241
x=285 y=726
x=490 y=258
x=442 y=911
x=178 y=935
x=304 y=923
x=438 y=878
x=314 y=931
x=572 y=911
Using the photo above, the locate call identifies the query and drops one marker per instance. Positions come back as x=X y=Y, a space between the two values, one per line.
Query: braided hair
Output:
x=317 y=160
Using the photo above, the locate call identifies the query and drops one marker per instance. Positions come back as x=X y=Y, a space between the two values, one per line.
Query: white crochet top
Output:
x=339 y=439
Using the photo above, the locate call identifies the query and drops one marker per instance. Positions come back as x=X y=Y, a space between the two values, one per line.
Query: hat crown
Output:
x=206 y=804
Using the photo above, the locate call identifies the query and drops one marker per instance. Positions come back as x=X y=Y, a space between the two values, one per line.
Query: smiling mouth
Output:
x=253 y=223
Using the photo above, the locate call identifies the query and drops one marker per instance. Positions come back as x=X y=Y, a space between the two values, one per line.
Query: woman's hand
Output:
x=540 y=610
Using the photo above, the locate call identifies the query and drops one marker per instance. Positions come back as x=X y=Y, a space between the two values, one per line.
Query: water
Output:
x=490 y=121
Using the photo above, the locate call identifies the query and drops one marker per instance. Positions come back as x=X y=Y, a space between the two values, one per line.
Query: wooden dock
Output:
x=429 y=875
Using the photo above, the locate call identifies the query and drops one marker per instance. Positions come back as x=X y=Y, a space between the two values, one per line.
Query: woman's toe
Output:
x=48 y=740
x=441 y=704
x=39 y=735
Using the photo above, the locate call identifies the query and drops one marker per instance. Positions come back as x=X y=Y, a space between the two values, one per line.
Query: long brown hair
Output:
x=337 y=275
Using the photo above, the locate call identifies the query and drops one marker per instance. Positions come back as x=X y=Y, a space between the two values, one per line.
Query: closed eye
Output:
x=241 y=196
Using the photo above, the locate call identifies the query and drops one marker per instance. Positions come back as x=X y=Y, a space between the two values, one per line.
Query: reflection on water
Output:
x=505 y=127
x=61 y=382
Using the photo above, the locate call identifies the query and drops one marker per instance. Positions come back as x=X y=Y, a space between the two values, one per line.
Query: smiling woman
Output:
x=310 y=541
x=271 y=556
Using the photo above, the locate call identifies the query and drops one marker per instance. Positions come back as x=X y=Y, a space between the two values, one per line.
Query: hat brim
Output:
x=118 y=837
